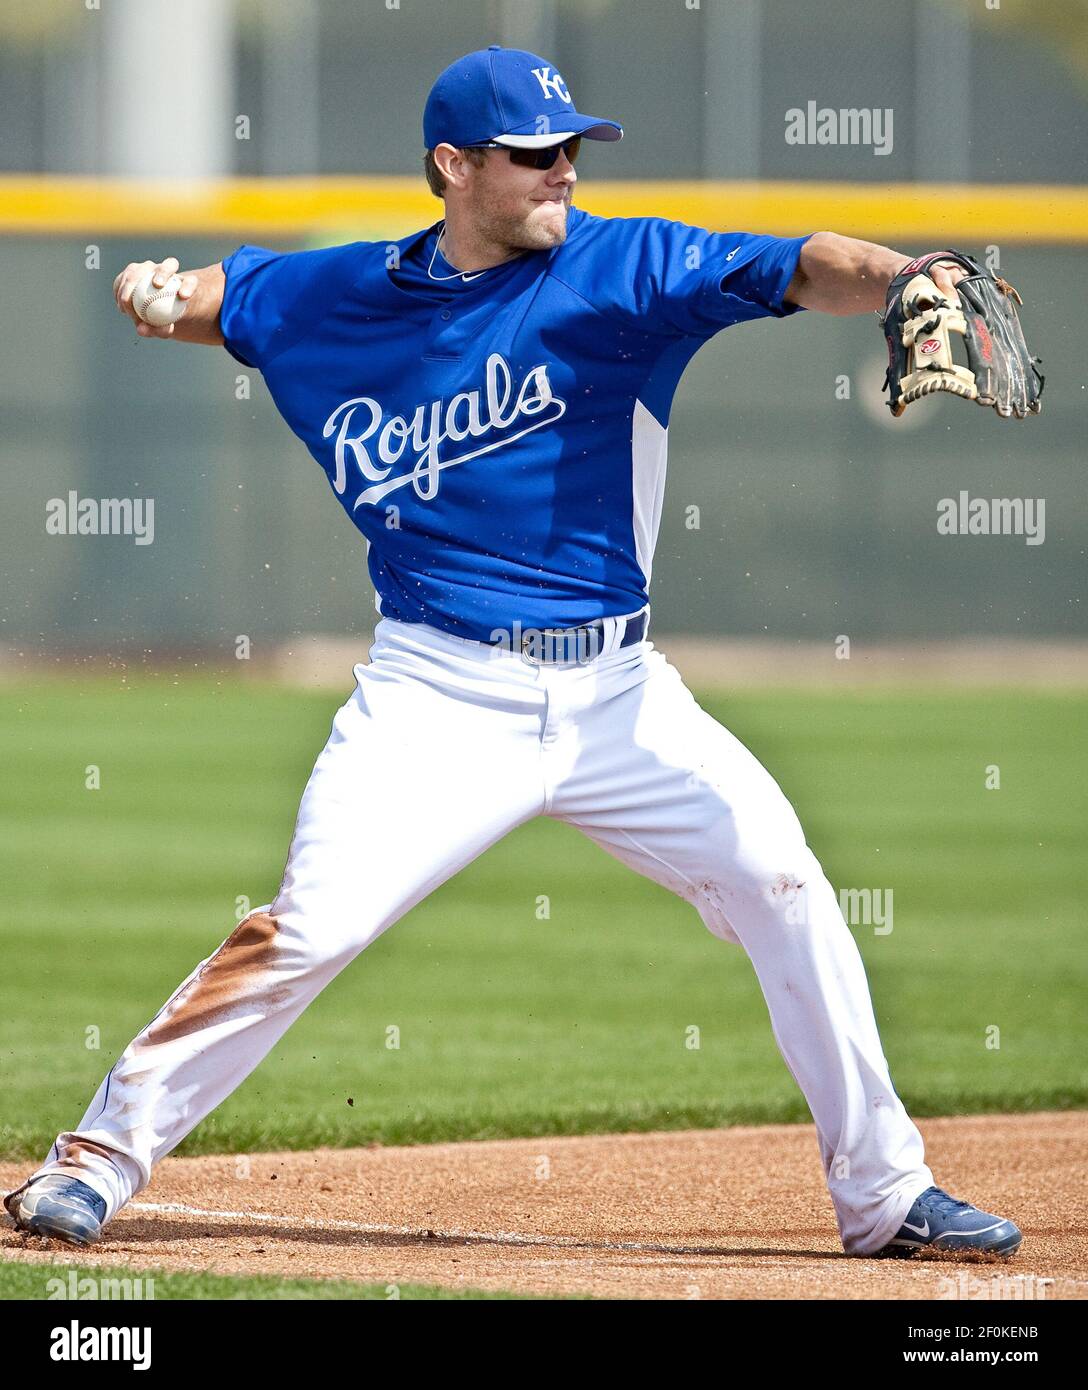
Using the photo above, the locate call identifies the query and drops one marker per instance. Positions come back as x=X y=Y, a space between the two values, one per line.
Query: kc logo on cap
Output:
x=554 y=83
x=510 y=96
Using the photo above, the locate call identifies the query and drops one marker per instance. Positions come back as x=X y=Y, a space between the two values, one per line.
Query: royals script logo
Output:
x=464 y=420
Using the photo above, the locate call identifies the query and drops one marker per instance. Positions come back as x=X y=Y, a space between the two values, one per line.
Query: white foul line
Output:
x=421 y=1232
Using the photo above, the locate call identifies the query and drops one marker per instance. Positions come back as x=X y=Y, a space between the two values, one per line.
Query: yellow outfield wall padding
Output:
x=374 y=207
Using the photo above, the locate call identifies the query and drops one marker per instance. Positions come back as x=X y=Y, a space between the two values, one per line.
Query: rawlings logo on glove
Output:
x=919 y=322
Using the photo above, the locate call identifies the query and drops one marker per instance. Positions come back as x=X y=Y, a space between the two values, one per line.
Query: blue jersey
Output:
x=499 y=438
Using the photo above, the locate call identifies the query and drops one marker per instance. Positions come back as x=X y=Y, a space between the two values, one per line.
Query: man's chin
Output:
x=548 y=226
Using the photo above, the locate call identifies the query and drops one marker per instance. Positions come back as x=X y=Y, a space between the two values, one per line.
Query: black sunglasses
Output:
x=534 y=159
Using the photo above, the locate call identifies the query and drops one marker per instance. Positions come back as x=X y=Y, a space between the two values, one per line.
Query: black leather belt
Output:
x=585 y=643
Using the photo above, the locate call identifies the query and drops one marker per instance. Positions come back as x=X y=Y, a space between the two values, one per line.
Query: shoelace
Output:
x=946 y=1204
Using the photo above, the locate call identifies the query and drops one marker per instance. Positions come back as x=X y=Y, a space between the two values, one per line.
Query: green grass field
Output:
x=510 y=1025
x=40 y=1282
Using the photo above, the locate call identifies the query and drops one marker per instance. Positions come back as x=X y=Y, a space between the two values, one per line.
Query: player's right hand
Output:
x=131 y=276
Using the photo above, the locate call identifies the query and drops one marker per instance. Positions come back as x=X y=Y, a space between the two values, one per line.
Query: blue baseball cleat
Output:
x=59 y=1207
x=937 y=1221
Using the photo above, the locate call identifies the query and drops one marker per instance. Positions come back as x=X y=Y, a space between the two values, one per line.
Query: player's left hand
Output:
x=924 y=309
x=946 y=275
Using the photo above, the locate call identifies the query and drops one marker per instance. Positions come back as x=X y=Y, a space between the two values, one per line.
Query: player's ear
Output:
x=453 y=165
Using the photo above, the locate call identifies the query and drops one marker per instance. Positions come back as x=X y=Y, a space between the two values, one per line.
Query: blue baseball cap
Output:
x=509 y=96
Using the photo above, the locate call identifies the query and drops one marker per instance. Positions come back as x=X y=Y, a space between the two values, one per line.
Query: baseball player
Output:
x=489 y=399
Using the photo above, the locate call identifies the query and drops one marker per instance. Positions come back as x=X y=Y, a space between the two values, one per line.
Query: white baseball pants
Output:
x=444 y=746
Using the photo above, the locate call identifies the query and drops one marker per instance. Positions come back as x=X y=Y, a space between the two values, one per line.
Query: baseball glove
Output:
x=919 y=322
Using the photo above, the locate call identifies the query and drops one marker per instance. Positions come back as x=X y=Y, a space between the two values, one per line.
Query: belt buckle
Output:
x=536 y=643
x=550 y=637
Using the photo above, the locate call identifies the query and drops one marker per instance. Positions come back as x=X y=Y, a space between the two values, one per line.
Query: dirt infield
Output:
x=737 y=1213
x=324 y=662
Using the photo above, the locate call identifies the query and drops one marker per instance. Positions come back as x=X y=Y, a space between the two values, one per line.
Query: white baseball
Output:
x=155 y=306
